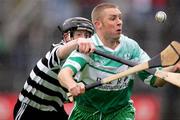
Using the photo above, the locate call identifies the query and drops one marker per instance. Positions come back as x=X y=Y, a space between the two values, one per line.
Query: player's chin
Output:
x=117 y=36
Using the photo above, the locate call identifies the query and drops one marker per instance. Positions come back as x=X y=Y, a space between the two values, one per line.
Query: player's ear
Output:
x=97 y=24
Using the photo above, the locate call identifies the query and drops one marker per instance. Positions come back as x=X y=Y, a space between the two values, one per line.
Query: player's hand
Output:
x=177 y=67
x=77 y=90
x=85 y=46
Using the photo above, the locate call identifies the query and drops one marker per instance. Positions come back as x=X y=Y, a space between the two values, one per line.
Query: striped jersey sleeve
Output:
x=53 y=60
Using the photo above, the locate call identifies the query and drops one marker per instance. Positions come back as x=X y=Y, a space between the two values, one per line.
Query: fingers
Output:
x=85 y=46
x=77 y=90
x=92 y=49
x=82 y=87
x=176 y=67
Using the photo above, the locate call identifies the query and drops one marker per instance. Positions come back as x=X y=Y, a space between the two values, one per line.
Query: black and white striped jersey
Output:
x=42 y=89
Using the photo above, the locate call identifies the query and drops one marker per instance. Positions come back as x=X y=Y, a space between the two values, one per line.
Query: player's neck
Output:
x=111 y=43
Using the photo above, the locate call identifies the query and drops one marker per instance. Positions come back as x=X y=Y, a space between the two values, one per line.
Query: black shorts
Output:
x=23 y=111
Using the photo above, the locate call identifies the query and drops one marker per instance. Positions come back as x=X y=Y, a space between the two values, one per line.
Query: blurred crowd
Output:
x=29 y=27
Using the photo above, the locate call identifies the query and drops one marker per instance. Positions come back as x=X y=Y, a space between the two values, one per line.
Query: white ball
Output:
x=161 y=16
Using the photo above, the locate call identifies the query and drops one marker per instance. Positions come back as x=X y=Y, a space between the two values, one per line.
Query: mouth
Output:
x=118 y=30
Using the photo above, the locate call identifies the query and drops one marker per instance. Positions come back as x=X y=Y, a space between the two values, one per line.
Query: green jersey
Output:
x=90 y=69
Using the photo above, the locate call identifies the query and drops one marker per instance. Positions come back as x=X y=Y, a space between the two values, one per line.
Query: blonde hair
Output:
x=96 y=12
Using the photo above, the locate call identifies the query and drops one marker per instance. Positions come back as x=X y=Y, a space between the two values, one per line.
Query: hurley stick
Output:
x=169 y=56
x=121 y=60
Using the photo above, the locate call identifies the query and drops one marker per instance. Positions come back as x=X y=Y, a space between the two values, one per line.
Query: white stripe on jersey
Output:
x=47 y=55
x=34 y=77
x=53 y=60
x=81 y=55
x=35 y=104
x=20 y=111
x=43 y=68
x=23 y=99
x=148 y=80
x=27 y=87
x=37 y=79
x=75 y=64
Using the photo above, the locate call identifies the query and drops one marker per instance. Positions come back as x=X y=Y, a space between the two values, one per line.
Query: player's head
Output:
x=77 y=27
x=107 y=20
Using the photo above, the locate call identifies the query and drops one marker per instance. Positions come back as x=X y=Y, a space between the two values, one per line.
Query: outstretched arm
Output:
x=84 y=45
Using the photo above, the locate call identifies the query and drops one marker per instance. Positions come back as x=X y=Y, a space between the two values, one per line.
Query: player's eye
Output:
x=87 y=35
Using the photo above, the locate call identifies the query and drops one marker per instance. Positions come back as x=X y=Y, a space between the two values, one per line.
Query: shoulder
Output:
x=96 y=40
x=56 y=45
x=125 y=40
x=128 y=40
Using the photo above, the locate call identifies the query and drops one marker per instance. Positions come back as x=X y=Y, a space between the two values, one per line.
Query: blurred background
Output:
x=29 y=27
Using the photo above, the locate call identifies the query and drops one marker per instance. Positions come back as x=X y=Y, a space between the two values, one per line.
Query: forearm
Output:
x=85 y=46
x=64 y=51
x=65 y=78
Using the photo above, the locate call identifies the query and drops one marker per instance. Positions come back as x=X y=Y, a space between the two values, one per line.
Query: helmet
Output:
x=77 y=23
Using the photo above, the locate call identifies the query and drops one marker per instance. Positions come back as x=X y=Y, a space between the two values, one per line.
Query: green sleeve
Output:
x=147 y=78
